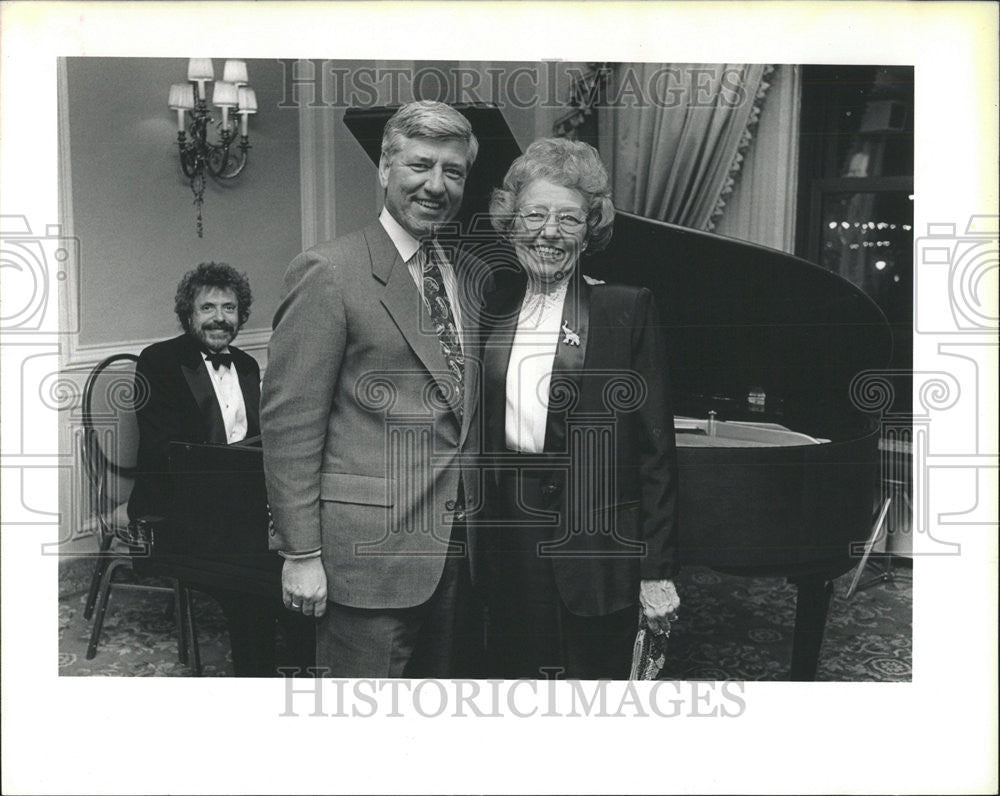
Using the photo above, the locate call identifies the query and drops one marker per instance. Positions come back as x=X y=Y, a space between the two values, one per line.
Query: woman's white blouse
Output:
x=530 y=370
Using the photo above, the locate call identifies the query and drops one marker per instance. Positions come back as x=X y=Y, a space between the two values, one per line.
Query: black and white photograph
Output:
x=608 y=390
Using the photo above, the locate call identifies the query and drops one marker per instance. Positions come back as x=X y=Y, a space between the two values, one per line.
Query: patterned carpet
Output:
x=730 y=628
x=741 y=628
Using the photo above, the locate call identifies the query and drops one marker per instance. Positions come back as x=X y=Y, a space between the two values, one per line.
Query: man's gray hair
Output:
x=427 y=119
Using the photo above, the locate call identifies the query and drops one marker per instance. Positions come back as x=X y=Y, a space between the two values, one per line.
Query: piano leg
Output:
x=186 y=619
x=178 y=603
x=810 y=621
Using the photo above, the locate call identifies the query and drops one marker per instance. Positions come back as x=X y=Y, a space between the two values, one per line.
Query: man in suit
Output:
x=199 y=388
x=369 y=402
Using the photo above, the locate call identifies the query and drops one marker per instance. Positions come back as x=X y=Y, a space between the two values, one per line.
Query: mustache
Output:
x=220 y=325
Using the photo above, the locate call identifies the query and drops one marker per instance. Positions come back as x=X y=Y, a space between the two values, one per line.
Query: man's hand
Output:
x=303 y=586
x=660 y=602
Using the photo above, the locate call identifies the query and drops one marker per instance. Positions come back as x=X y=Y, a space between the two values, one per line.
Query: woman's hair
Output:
x=571 y=164
x=427 y=119
x=218 y=275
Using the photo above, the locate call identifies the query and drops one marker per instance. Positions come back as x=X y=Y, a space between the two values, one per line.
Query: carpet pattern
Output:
x=729 y=628
x=742 y=628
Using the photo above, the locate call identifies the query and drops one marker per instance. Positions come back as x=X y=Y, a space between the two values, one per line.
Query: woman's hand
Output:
x=660 y=602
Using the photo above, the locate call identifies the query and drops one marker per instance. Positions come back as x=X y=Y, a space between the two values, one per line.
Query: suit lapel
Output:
x=496 y=360
x=250 y=387
x=200 y=384
x=471 y=299
x=567 y=368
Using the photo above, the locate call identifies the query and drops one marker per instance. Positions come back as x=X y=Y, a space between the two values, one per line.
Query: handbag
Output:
x=649 y=652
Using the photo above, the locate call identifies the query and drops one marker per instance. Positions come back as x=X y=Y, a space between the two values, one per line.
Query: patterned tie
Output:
x=443 y=318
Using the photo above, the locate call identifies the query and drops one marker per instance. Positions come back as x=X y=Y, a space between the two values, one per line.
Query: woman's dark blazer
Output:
x=612 y=478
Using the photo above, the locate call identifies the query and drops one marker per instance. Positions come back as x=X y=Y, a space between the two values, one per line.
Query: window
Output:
x=856 y=190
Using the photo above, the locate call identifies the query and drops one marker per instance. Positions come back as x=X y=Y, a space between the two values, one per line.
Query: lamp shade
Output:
x=181 y=96
x=235 y=72
x=200 y=69
x=247 y=100
x=224 y=94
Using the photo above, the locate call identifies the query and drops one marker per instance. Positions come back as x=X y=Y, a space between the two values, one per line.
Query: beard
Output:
x=215 y=335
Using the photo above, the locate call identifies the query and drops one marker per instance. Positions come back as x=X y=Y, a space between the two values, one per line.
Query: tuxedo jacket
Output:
x=175 y=401
x=611 y=480
x=362 y=451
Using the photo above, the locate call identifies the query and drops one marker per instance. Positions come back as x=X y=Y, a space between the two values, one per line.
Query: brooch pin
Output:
x=570 y=337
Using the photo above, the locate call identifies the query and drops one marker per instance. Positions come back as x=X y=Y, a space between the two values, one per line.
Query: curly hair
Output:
x=571 y=164
x=428 y=119
x=220 y=275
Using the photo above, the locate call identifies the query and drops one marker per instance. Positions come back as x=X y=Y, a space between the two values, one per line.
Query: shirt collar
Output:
x=554 y=297
x=404 y=242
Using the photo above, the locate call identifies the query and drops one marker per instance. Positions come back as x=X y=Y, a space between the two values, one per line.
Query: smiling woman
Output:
x=580 y=527
x=550 y=231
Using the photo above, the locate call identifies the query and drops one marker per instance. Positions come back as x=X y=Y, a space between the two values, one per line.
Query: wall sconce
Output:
x=199 y=152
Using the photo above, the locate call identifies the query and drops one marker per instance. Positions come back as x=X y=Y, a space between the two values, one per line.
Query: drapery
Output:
x=677 y=153
x=761 y=208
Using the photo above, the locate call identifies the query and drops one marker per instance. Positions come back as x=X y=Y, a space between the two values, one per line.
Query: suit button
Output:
x=549 y=490
x=449 y=505
x=459 y=516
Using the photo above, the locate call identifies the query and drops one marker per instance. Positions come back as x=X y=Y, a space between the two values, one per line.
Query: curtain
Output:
x=761 y=207
x=676 y=157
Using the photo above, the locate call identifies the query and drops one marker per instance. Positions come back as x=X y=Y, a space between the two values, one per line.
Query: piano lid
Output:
x=753 y=333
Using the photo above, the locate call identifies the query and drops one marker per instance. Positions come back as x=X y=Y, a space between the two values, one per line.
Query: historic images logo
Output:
x=325 y=84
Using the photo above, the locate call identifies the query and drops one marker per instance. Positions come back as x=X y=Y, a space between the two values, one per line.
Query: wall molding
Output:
x=316 y=175
x=68 y=290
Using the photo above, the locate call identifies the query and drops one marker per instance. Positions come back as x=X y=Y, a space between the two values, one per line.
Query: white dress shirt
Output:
x=226 y=383
x=407 y=247
x=529 y=372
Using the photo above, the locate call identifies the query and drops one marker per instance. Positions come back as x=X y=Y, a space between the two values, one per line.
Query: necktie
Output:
x=443 y=318
x=219 y=359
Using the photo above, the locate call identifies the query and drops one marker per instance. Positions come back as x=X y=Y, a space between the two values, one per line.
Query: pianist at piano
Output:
x=201 y=389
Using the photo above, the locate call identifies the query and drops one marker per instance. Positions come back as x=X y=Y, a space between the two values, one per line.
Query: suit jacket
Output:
x=361 y=449
x=175 y=401
x=612 y=481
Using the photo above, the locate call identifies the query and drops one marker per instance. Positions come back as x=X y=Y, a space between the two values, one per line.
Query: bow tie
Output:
x=219 y=359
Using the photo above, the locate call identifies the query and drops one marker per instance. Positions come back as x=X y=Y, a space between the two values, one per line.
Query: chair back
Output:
x=111 y=431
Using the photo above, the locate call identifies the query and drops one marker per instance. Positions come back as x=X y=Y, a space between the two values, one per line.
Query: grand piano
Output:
x=778 y=466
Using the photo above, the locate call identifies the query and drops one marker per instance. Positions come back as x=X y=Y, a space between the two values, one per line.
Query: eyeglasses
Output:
x=534 y=218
